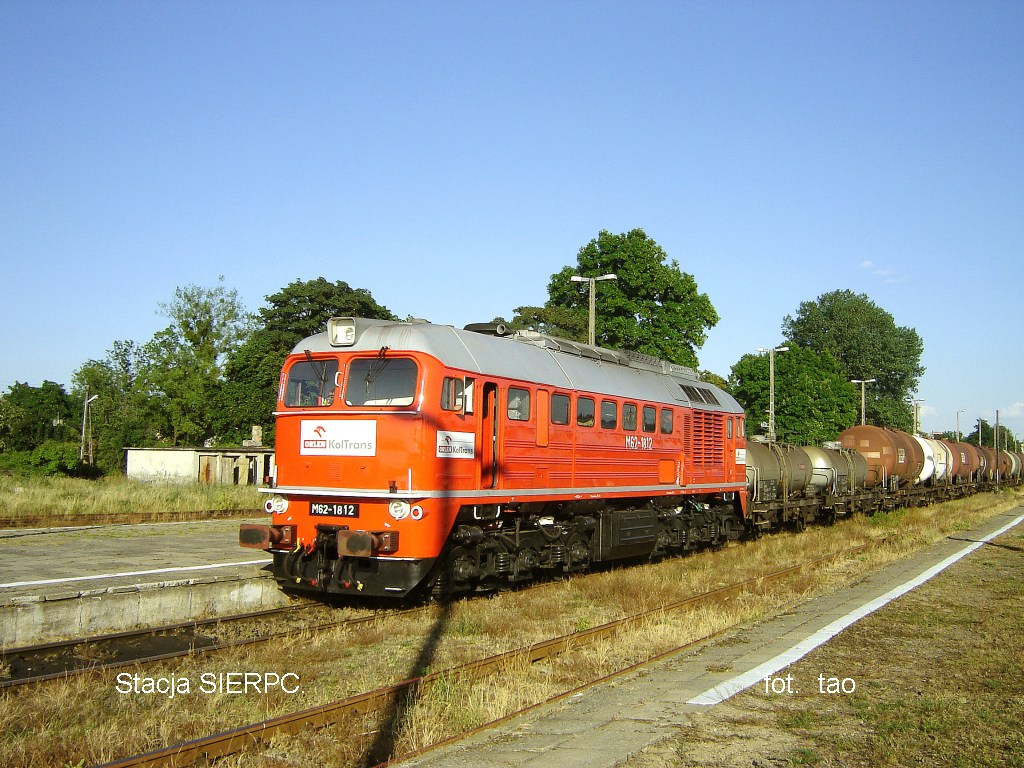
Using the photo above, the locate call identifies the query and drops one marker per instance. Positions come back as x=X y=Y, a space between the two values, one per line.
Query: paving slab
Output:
x=72 y=582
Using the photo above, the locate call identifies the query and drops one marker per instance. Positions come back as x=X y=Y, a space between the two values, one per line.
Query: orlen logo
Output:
x=320 y=442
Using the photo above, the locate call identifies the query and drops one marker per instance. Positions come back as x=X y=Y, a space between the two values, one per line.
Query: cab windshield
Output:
x=381 y=381
x=311 y=384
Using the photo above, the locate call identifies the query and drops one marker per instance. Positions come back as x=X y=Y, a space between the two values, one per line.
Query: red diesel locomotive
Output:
x=414 y=457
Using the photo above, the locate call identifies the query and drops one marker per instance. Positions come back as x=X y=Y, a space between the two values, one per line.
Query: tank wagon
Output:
x=868 y=469
x=414 y=457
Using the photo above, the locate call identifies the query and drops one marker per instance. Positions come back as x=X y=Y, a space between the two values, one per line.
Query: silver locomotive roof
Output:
x=489 y=349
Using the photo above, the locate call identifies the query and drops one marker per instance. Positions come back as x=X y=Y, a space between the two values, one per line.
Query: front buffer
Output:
x=337 y=560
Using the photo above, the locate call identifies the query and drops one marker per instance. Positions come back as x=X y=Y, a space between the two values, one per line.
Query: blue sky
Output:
x=450 y=157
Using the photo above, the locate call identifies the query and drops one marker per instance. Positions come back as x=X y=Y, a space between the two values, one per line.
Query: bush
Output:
x=49 y=459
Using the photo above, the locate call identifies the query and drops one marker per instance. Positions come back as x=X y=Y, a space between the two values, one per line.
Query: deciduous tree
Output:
x=813 y=400
x=29 y=416
x=868 y=345
x=207 y=325
x=652 y=307
x=122 y=413
x=298 y=310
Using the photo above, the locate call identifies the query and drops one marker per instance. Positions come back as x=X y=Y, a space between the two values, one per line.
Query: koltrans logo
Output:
x=338 y=438
x=455 y=445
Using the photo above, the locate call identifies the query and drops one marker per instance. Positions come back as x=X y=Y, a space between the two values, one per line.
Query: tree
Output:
x=652 y=307
x=868 y=345
x=302 y=308
x=986 y=432
x=30 y=416
x=122 y=414
x=813 y=400
x=207 y=325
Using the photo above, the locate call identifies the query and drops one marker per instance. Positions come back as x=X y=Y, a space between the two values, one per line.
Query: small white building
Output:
x=231 y=466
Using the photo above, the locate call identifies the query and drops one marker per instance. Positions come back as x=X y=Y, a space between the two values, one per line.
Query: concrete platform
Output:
x=604 y=726
x=72 y=582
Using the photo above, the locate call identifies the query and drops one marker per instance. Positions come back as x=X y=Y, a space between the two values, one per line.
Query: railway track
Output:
x=394 y=697
x=65 y=658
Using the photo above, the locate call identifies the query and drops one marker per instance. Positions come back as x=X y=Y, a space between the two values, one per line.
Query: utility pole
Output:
x=86 y=421
x=771 y=387
x=592 y=326
x=862 y=382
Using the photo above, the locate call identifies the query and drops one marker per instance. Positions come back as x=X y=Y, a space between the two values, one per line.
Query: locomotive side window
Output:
x=518 y=404
x=609 y=414
x=629 y=417
x=381 y=381
x=666 y=421
x=559 y=409
x=650 y=418
x=585 y=411
x=452 y=394
x=311 y=384
x=728 y=429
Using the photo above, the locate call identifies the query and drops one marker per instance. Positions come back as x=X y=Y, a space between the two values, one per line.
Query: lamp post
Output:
x=771 y=387
x=591 y=338
x=862 y=382
x=85 y=418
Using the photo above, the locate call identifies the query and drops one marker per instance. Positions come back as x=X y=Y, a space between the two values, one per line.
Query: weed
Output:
x=805 y=756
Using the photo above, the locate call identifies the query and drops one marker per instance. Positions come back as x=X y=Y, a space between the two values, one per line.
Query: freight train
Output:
x=421 y=459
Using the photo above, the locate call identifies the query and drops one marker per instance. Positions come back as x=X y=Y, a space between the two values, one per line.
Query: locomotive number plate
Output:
x=333 y=510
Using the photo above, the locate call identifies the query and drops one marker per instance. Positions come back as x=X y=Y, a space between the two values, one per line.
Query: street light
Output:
x=862 y=382
x=593 y=311
x=85 y=415
x=771 y=387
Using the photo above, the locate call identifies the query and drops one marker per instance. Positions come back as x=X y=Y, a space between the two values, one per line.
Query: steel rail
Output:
x=20 y=660
x=236 y=739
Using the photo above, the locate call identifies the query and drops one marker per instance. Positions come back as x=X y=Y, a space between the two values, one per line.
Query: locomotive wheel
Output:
x=578 y=552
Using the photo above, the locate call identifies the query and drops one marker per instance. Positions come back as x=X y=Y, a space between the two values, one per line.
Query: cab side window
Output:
x=667 y=419
x=452 y=394
x=650 y=418
x=609 y=414
x=559 y=409
x=518 y=404
x=629 y=417
x=585 y=411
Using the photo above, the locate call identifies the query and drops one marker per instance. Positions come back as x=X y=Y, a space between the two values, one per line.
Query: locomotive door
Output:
x=489 y=437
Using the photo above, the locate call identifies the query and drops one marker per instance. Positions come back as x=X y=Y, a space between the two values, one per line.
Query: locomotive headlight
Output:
x=399 y=509
x=341 y=331
x=275 y=505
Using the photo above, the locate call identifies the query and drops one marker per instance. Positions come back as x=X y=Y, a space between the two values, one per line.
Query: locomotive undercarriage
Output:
x=490 y=548
x=320 y=569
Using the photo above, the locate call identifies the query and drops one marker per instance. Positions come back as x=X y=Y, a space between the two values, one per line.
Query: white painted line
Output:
x=730 y=688
x=178 y=569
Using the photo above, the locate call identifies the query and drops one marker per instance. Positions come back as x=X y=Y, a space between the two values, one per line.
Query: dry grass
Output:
x=36 y=500
x=949 y=691
x=63 y=722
